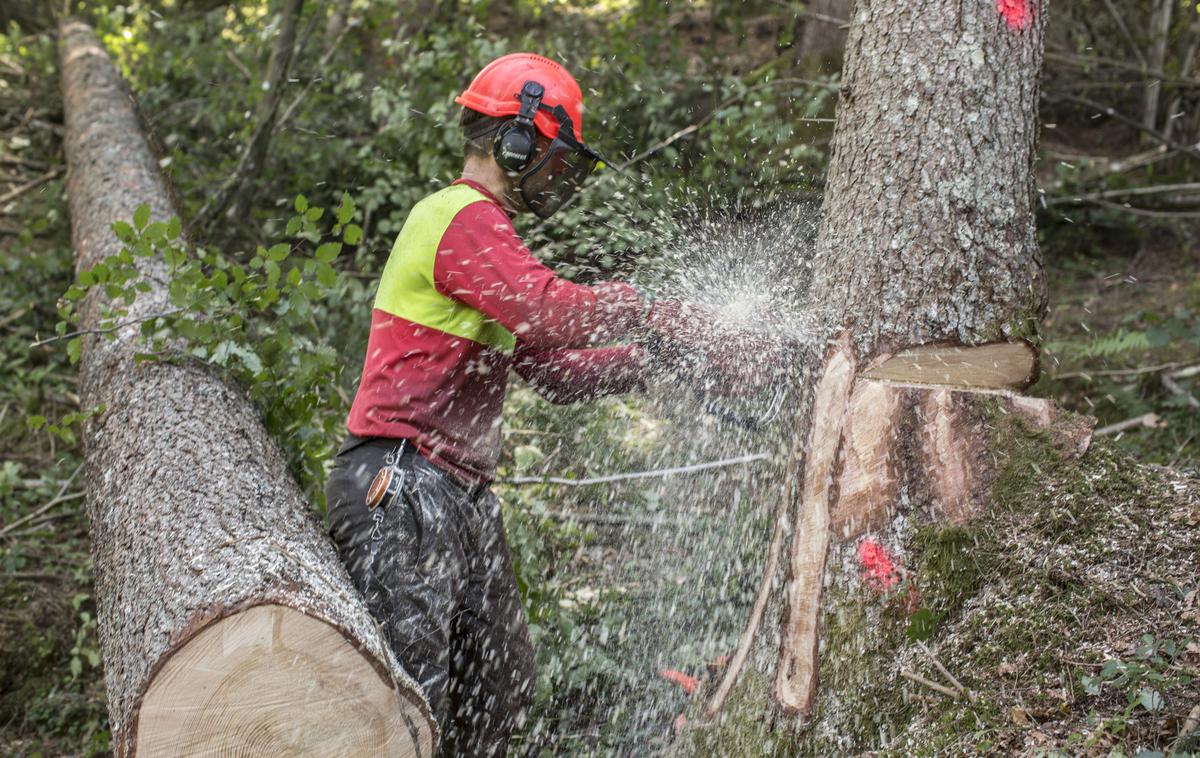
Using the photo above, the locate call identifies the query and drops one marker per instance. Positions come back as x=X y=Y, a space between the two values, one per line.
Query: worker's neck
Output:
x=485 y=171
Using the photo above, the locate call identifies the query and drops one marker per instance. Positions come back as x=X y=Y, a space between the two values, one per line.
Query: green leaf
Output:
x=1091 y=685
x=293 y=225
x=326 y=275
x=328 y=252
x=174 y=228
x=155 y=232
x=352 y=234
x=35 y=422
x=314 y=213
x=1156 y=336
x=272 y=273
x=279 y=252
x=123 y=231
x=1150 y=699
x=249 y=358
x=920 y=625
x=141 y=216
x=301 y=204
x=74 y=349
x=293 y=277
x=345 y=211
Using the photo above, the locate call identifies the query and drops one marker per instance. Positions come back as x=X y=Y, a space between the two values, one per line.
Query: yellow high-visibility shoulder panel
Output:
x=406 y=288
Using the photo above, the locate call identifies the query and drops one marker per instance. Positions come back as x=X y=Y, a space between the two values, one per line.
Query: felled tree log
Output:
x=227 y=624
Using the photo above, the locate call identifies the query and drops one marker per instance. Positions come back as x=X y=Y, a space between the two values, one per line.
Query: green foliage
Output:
x=1141 y=679
x=1126 y=368
x=255 y=320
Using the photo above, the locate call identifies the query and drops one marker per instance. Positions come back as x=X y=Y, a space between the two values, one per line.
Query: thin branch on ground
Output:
x=1146 y=420
x=1175 y=389
x=1187 y=372
x=57 y=500
x=1143 y=71
x=931 y=685
x=1146 y=212
x=1088 y=374
x=944 y=671
x=16 y=192
x=662 y=472
x=608 y=519
x=756 y=613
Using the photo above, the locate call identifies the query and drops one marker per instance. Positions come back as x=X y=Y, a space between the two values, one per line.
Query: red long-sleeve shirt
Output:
x=445 y=392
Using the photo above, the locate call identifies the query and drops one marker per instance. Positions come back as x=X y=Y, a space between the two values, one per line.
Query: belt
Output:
x=408 y=451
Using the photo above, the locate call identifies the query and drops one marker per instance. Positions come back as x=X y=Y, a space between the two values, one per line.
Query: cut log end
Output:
x=285 y=682
x=996 y=366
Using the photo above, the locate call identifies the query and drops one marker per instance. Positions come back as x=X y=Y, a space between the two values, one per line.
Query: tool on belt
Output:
x=389 y=480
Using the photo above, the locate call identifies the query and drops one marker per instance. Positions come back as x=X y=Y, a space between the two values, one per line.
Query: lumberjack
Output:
x=461 y=301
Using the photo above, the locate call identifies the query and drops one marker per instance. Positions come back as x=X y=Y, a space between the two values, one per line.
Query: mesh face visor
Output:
x=565 y=165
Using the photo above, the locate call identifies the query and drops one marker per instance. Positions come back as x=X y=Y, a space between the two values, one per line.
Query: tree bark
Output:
x=225 y=619
x=927 y=248
x=1160 y=32
x=927 y=237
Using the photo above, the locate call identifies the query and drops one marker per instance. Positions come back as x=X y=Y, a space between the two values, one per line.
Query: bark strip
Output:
x=796 y=675
x=195 y=519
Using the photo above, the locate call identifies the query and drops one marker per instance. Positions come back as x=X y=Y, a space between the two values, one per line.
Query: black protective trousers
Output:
x=435 y=569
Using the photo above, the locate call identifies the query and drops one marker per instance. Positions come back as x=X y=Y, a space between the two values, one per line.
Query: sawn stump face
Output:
x=270 y=680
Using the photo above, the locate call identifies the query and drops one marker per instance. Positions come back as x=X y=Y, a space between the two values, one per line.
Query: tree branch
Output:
x=16 y=192
x=233 y=192
x=1114 y=114
x=662 y=472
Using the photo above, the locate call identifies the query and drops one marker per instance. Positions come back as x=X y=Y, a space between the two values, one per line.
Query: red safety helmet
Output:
x=496 y=89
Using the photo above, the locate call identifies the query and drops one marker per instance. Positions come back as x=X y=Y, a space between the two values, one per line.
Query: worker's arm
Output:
x=570 y=375
x=482 y=262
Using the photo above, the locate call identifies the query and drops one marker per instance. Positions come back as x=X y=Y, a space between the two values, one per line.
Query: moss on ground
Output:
x=1073 y=564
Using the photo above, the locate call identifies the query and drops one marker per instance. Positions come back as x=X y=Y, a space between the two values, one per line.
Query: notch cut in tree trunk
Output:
x=994 y=365
x=869 y=441
x=226 y=622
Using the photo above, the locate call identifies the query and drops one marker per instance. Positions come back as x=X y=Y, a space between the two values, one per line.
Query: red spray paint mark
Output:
x=688 y=683
x=1018 y=13
x=878 y=566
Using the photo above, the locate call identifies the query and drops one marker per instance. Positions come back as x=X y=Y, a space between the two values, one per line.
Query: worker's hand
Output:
x=691 y=340
x=680 y=322
x=741 y=363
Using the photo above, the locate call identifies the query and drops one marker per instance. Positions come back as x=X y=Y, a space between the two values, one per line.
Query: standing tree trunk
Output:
x=1160 y=33
x=928 y=280
x=227 y=624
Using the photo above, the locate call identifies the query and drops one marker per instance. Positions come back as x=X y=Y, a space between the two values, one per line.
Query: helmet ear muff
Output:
x=516 y=140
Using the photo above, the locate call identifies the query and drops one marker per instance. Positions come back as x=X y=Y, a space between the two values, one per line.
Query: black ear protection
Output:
x=516 y=140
